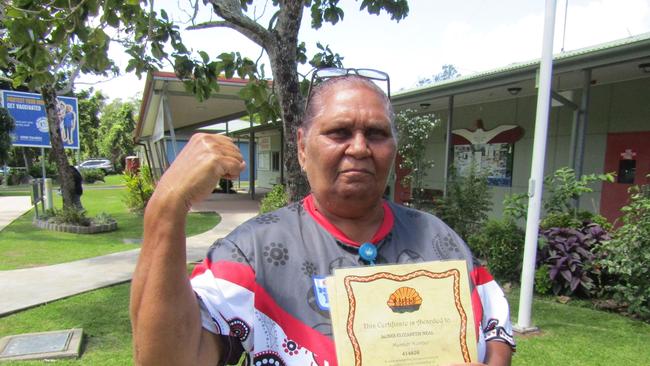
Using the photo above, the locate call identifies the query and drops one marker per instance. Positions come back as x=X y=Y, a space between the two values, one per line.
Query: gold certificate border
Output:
x=401 y=278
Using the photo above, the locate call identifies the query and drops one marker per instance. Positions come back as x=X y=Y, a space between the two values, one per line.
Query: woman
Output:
x=254 y=297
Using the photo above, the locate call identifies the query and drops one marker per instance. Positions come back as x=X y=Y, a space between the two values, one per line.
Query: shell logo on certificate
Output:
x=403 y=315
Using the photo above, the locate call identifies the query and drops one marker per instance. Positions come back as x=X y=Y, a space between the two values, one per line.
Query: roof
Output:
x=255 y=129
x=233 y=127
x=602 y=55
x=186 y=110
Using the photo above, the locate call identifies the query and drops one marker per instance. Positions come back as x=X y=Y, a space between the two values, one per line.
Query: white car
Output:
x=102 y=164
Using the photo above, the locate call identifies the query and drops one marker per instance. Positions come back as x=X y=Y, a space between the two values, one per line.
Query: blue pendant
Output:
x=368 y=252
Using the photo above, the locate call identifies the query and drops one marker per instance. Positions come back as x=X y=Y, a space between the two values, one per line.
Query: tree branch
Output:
x=230 y=11
x=27 y=11
x=255 y=17
x=73 y=10
x=97 y=82
x=69 y=85
x=212 y=24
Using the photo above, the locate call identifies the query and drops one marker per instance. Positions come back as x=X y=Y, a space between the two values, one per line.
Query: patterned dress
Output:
x=258 y=288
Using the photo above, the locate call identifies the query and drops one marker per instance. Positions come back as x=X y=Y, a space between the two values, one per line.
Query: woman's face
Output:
x=348 y=150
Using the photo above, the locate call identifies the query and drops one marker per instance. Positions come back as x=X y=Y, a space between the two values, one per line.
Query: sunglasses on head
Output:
x=321 y=75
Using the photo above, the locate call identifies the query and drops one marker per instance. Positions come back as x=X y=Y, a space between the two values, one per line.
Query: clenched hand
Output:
x=197 y=170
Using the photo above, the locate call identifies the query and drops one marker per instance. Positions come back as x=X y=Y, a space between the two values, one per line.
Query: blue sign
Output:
x=32 y=130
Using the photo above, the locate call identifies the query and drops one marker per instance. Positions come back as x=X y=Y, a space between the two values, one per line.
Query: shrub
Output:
x=36 y=170
x=501 y=244
x=569 y=254
x=414 y=130
x=467 y=203
x=543 y=283
x=139 y=188
x=17 y=176
x=627 y=255
x=563 y=188
x=103 y=218
x=515 y=206
x=92 y=175
x=560 y=219
x=276 y=198
x=69 y=215
x=586 y=216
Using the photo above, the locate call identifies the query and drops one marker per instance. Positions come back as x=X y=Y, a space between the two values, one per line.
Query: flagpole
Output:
x=535 y=184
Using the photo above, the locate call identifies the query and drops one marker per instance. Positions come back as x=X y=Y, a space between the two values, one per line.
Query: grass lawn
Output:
x=23 y=245
x=103 y=314
x=21 y=190
x=109 y=180
x=571 y=334
x=576 y=334
x=25 y=189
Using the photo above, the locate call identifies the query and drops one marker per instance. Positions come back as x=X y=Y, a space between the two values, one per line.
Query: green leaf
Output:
x=204 y=56
x=156 y=51
x=316 y=16
x=302 y=53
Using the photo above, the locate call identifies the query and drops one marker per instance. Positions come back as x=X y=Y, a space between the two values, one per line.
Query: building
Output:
x=599 y=122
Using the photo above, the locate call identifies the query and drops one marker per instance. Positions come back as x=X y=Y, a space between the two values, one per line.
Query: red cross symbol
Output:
x=628 y=154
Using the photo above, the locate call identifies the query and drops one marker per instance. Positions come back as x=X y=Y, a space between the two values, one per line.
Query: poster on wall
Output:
x=264 y=143
x=28 y=110
x=495 y=160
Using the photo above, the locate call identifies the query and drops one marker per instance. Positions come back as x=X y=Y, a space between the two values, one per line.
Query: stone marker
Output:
x=44 y=345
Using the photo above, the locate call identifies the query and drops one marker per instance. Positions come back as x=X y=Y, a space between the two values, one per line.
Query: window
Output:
x=275 y=162
x=263 y=161
x=626 y=171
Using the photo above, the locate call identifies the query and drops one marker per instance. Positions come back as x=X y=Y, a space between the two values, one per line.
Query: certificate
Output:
x=402 y=315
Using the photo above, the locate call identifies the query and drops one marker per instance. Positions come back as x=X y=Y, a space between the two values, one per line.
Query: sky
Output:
x=472 y=35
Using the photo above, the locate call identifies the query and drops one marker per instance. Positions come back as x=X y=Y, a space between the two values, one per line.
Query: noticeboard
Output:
x=32 y=130
x=494 y=160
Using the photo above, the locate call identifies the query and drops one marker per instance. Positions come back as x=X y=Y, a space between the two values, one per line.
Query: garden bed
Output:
x=75 y=229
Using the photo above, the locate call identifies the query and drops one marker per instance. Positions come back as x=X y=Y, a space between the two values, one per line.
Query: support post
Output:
x=44 y=175
x=448 y=146
x=582 y=122
x=574 y=138
x=535 y=183
x=168 y=118
x=282 y=155
x=251 y=158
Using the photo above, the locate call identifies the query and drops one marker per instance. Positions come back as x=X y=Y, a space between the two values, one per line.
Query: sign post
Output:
x=28 y=110
x=32 y=130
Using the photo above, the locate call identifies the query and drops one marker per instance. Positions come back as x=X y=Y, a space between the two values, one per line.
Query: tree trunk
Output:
x=27 y=158
x=281 y=44
x=284 y=65
x=54 y=122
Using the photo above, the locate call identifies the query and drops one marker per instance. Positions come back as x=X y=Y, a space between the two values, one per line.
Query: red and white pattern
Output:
x=491 y=311
x=256 y=287
x=228 y=291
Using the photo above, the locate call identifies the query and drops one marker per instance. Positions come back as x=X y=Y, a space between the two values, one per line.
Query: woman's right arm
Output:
x=165 y=315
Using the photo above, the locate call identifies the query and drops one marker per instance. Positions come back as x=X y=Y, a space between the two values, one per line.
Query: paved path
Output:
x=12 y=207
x=25 y=288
